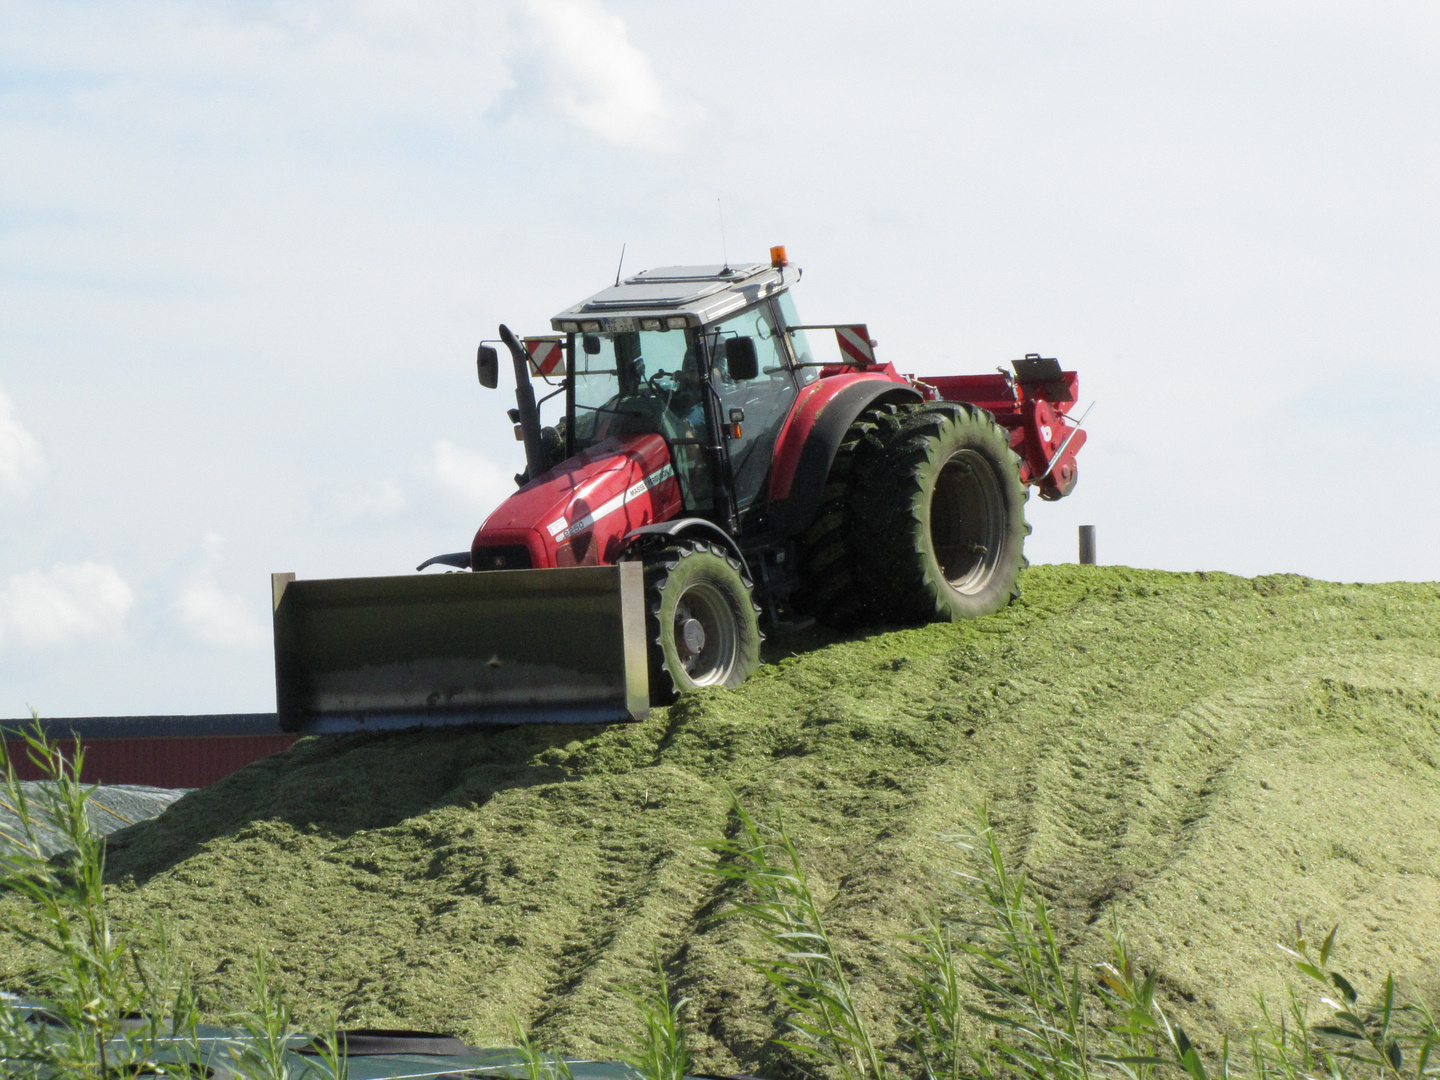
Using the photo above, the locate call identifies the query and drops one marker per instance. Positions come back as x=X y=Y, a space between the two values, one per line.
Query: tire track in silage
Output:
x=1105 y=810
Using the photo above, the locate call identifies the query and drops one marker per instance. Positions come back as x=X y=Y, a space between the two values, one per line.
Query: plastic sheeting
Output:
x=110 y=807
x=409 y=1055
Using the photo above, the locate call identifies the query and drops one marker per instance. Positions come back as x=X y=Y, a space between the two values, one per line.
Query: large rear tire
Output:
x=830 y=587
x=701 y=618
x=940 y=517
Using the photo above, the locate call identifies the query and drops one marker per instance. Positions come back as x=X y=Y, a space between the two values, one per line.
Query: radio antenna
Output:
x=617 y=268
x=724 y=250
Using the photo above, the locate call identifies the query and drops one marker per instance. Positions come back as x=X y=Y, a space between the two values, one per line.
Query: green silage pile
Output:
x=1204 y=758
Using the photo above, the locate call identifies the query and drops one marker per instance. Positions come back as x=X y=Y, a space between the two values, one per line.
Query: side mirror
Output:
x=741 y=360
x=487 y=362
x=591 y=344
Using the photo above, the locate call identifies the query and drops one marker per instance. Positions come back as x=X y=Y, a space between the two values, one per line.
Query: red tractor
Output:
x=705 y=477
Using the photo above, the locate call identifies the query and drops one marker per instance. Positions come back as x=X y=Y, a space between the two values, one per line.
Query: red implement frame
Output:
x=1045 y=436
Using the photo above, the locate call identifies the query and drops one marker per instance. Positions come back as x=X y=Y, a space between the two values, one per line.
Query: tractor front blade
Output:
x=561 y=646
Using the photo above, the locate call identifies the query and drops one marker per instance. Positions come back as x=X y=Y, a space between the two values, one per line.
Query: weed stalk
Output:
x=806 y=969
x=658 y=1047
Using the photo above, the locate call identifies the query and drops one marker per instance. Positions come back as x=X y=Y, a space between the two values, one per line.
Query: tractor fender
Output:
x=811 y=437
x=690 y=527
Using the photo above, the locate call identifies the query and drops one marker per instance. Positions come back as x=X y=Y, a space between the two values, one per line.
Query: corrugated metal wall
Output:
x=168 y=763
x=162 y=751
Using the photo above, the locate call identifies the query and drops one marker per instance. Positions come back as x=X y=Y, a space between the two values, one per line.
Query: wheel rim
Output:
x=967 y=521
x=706 y=635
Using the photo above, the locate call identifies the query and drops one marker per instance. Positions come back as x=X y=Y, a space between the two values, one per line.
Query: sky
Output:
x=247 y=250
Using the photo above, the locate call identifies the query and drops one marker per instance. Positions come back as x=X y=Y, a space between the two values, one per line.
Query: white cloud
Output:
x=70 y=603
x=477 y=484
x=211 y=614
x=590 y=74
x=22 y=464
x=219 y=618
x=248 y=247
x=349 y=504
x=315 y=60
x=234 y=70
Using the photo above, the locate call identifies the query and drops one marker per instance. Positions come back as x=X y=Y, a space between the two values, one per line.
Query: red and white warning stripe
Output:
x=546 y=355
x=561 y=530
x=855 y=345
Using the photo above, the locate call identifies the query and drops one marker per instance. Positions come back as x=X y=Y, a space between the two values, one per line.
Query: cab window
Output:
x=637 y=382
x=765 y=400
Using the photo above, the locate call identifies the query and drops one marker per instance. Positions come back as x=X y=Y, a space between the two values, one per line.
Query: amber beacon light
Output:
x=777 y=257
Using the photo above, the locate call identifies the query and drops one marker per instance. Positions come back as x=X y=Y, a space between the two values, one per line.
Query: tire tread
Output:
x=886 y=503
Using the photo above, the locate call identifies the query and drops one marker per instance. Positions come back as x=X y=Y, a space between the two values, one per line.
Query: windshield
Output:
x=637 y=382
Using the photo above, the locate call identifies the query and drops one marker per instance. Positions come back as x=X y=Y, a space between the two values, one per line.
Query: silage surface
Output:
x=1203 y=757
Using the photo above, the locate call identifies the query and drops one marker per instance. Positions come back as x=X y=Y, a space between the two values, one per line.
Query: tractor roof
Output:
x=698 y=294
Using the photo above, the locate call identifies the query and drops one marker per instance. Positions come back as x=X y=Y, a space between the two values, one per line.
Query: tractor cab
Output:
x=698 y=355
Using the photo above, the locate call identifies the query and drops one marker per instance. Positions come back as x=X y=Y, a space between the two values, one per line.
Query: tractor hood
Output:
x=579 y=512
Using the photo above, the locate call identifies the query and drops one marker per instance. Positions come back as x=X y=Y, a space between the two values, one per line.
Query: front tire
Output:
x=942 y=517
x=702 y=620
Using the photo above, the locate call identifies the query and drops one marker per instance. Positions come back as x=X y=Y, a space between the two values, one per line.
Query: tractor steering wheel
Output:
x=660 y=391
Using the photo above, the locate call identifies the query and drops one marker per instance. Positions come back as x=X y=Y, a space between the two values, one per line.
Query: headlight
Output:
x=590 y=327
x=569 y=327
x=651 y=324
x=676 y=322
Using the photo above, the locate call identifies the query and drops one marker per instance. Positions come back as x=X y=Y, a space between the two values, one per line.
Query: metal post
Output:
x=1087 y=545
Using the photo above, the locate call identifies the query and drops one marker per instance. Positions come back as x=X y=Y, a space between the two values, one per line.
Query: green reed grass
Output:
x=1390 y=1039
x=938 y=983
x=658 y=1046
x=110 y=1001
x=111 y=1006
x=1044 y=1016
x=804 y=967
x=535 y=1063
